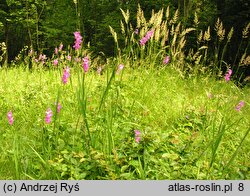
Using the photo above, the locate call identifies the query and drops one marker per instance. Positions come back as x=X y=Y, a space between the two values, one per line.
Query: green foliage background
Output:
x=44 y=24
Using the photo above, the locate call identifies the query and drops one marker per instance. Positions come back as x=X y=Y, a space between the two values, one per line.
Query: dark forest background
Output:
x=44 y=24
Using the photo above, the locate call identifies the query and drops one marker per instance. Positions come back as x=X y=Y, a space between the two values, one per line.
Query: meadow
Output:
x=146 y=113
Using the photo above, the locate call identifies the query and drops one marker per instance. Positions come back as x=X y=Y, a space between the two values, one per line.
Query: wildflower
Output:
x=69 y=57
x=61 y=47
x=166 y=60
x=137 y=136
x=66 y=75
x=59 y=107
x=78 y=40
x=228 y=75
x=85 y=64
x=120 y=68
x=144 y=40
x=240 y=105
x=55 y=62
x=10 y=117
x=36 y=60
x=42 y=58
x=56 y=50
x=48 y=116
x=136 y=31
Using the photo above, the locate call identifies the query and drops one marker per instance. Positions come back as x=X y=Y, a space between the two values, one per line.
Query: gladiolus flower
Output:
x=48 y=116
x=59 y=107
x=144 y=40
x=69 y=57
x=228 y=75
x=55 y=62
x=85 y=64
x=166 y=60
x=10 y=117
x=78 y=40
x=137 y=136
x=61 y=47
x=240 y=105
x=56 y=50
x=66 y=75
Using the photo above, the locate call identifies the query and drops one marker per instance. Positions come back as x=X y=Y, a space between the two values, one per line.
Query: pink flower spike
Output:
x=137 y=136
x=136 y=31
x=55 y=62
x=149 y=34
x=78 y=40
x=228 y=75
x=240 y=105
x=48 y=116
x=10 y=118
x=85 y=64
x=59 y=107
x=166 y=60
x=61 y=47
x=56 y=50
x=66 y=74
x=69 y=57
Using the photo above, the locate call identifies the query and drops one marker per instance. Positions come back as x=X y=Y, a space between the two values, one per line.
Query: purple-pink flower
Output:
x=66 y=74
x=166 y=60
x=69 y=58
x=61 y=47
x=137 y=136
x=85 y=64
x=136 y=31
x=55 y=62
x=240 y=105
x=120 y=68
x=58 y=108
x=56 y=50
x=48 y=116
x=148 y=35
x=228 y=75
x=78 y=40
x=10 y=117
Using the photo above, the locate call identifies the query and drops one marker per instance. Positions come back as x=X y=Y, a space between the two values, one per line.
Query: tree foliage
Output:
x=44 y=24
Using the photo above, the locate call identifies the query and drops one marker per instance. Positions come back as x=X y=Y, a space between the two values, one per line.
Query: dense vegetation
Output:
x=164 y=105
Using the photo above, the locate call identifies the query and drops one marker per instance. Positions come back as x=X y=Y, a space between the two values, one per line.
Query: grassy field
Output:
x=189 y=127
x=153 y=111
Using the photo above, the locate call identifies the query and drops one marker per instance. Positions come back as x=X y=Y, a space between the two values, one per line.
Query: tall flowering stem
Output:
x=228 y=75
x=145 y=39
x=48 y=116
x=85 y=64
x=10 y=118
x=240 y=105
x=78 y=40
x=166 y=60
x=66 y=74
x=137 y=136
